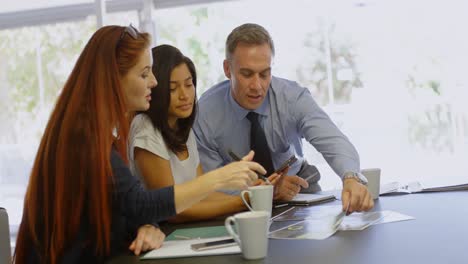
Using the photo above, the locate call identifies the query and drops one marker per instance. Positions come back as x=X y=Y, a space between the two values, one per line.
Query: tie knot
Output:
x=252 y=116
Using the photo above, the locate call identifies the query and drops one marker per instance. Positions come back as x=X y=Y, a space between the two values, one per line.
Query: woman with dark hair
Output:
x=162 y=145
x=82 y=204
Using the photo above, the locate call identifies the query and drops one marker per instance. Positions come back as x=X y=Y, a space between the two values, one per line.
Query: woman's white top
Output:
x=144 y=135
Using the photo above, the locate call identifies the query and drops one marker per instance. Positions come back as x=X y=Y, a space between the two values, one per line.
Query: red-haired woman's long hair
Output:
x=72 y=175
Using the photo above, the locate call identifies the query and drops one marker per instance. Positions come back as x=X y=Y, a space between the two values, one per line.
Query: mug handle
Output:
x=242 y=195
x=228 y=224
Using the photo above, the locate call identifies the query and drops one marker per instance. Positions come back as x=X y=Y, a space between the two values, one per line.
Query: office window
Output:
x=407 y=113
x=21 y=5
x=36 y=61
x=389 y=73
x=35 y=64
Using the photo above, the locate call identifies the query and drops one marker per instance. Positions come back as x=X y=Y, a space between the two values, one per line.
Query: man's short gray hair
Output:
x=249 y=33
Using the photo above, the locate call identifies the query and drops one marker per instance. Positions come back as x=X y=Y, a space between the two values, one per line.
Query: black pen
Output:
x=236 y=158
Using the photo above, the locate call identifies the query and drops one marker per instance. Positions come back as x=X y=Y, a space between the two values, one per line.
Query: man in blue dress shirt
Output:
x=286 y=112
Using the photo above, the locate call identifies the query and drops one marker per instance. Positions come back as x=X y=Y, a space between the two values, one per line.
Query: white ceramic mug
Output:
x=261 y=198
x=252 y=233
x=373 y=181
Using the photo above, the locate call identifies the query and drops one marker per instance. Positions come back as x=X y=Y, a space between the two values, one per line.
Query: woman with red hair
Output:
x=82 y=203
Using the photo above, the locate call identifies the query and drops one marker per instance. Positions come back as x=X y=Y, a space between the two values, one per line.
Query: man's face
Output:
x=249 y=70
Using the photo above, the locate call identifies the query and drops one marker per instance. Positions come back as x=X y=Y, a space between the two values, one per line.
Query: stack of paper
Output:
x=458 y=187
x=398 y=188
x=417 y=187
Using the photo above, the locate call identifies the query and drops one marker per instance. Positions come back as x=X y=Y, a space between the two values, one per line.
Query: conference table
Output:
x=438 y=234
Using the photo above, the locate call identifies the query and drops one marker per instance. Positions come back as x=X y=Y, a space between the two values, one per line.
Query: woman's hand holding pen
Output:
x=273 y=178
x=237 y=175
x=283 y=188
x=234 y=176
x=286 y=187
x=250 y=155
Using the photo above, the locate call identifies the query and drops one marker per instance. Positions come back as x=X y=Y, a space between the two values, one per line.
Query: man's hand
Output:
x=148 y=237
x=357 y=196
x=288 y=186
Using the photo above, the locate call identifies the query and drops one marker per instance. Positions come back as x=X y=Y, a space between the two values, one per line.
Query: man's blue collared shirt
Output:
x=288 y=114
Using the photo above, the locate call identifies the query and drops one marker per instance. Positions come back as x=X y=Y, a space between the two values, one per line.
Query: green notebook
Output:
x=198 y=232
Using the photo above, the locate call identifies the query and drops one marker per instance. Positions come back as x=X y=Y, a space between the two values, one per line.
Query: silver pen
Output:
x=311 y=176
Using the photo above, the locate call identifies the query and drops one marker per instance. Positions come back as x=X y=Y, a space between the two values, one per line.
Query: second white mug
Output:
x=373 y=181
x=261 y=198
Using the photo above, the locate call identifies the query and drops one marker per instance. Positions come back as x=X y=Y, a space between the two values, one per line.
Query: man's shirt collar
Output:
x=241 y=113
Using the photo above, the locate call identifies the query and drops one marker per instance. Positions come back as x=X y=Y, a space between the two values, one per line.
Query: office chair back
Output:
x=5 y=248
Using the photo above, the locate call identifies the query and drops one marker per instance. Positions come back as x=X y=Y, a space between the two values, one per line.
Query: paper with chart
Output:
x=320 y=226
x=321 y=222
x=313 y=212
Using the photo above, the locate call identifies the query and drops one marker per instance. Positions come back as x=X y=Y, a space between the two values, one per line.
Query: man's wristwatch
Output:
x=357 y=176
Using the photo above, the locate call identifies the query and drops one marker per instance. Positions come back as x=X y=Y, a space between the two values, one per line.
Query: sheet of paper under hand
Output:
x=392 y=216
x=313 y=228
x=360 y=221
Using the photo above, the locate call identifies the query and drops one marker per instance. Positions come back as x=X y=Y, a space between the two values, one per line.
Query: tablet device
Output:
x=307 y=199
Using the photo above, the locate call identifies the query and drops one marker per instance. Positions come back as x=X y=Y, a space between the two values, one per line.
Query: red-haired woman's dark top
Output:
x=133 y=206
